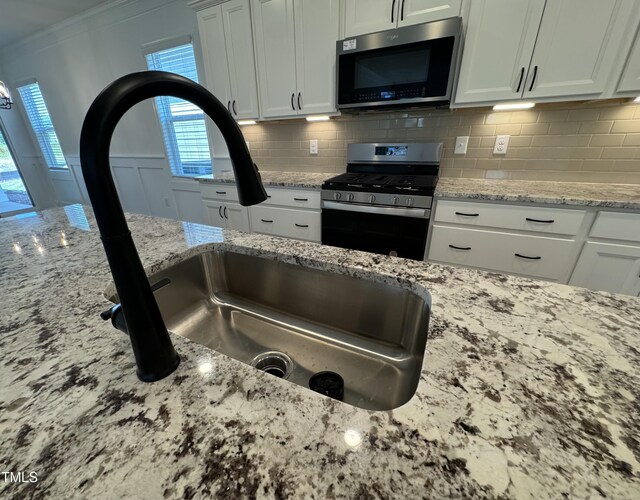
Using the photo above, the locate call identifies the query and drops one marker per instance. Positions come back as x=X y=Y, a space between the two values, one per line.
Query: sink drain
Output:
x=274 y=363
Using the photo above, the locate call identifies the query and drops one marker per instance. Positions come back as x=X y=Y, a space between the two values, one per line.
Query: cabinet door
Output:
x=630 y=81
x=500 y=38
x=368 y=16
x=239 y=45
x=317 y=26
x=425 y=11
x=612 y=268
x=237 y=217
x=213 y=213
x=211 y=28
x=275 y=48
x=577 y=47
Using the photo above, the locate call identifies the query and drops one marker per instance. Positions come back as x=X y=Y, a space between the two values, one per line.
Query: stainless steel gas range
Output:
x=383 y=203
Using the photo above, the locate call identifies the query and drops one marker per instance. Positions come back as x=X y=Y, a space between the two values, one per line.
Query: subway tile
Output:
x=618 y=113
x=478 y=152
x=450 y=172
x=499 y=118
x=487 y=142
x=534 y=128
x=496 y=174
x=464 y=162
x=468 y=118
x=598 y=165
x=596 y=127
x=472 y=173
x=560 y=140
x=619 y=153
x=626 y=126
x=528 y=116
x=564 y=128
x=581 y=115
x=520 y=141
x=508 y=129
x=631 y=140
x=488 y=163
x=553 y=164
x=459 y=130
x=626 y=166
x=483 y=130
x=607 y=140
x=552 y=116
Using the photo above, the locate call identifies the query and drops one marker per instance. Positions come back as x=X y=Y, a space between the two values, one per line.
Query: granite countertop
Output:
x=626 y=196
x=562 y=193
x=307 y=180
x=528 y=389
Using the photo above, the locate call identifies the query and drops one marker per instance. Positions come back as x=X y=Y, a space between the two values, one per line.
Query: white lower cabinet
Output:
x=228 y=215
x=609 y=267
x=536 y=256
x=610 y=260
x=290 y=223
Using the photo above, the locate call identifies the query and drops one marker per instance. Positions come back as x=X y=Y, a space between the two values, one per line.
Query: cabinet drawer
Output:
x=290 y=223
x=537 y=256
x=617 y=226
x=293 y=198
x=521 y=218
x=219 y=191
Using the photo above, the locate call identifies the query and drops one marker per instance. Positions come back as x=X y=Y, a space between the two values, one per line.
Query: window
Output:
x=185 y=135
x=41 y=122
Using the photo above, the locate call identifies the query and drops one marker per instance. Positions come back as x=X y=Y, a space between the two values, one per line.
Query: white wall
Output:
x=73 y=62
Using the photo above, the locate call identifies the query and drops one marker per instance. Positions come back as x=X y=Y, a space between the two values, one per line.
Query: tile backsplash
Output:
x=597 y=142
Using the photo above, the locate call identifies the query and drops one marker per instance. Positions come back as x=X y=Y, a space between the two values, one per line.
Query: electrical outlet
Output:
x=313 y=146
x=501 y=145
x=461 y=145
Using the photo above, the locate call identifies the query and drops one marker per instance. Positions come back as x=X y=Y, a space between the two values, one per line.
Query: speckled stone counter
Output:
x=528 y=389
x=283 y=179
x=561 y=193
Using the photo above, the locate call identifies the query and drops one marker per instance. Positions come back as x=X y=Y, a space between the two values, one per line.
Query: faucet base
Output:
x=155 y=376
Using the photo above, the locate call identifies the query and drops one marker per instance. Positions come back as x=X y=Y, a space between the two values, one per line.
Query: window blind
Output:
x=183 y=127
x=42 y=126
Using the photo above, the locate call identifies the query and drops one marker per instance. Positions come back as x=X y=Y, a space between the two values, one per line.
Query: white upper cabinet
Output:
x=295 y=45
x=369 y=16
x=630 y=81
x=227 y=49
x=211 y=28
x=317 y=30
x=239 y=45
x=425 y=11
x=500 y=38
x=577 y=47
x=275 y=47
x=543 y=51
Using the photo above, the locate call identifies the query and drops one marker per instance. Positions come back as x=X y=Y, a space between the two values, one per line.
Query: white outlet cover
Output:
x=313 y=146
x=461 y=145
x=501 y=145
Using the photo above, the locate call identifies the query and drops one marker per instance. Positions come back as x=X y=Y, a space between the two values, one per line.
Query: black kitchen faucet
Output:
x=155 y=356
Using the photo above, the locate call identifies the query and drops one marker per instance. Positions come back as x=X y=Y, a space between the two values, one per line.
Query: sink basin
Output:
x=293 y=322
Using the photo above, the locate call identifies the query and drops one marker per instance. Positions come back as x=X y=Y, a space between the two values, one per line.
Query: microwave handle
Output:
x=393 y=8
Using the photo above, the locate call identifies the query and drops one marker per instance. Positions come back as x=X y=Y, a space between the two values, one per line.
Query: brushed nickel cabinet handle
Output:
x=459 y=248
x=526 y=257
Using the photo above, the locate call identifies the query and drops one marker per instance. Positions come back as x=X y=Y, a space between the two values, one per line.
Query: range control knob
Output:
x=395 y=200
x=337 y=196
x=350 y=197
x=409 y=202
x=372 y=198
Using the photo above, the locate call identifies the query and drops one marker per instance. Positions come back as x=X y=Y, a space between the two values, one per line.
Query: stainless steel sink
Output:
x=373 y=335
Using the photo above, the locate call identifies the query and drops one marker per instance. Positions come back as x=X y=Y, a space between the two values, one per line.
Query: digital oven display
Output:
x=391 y=151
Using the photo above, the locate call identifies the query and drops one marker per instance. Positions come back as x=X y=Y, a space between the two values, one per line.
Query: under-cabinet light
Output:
x=246 y=122
x=637 y=99
x=514 y=105
x=317 y=118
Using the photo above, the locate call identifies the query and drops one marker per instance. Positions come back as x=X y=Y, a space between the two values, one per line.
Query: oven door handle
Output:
x=417 y=213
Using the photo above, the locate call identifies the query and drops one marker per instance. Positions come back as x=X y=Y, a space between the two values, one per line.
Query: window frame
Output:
x=34 y=133
x=158 y=46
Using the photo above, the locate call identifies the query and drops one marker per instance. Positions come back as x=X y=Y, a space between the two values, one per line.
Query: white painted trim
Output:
x=165 y=43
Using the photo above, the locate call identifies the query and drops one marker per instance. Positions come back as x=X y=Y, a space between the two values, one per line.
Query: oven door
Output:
x=405 y=66
x=394 y=231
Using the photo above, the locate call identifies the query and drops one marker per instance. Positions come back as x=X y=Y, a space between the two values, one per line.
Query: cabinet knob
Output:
x=337 y=196
x=372 y=199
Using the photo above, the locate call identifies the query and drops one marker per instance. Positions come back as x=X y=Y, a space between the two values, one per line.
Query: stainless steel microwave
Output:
x=409 y=66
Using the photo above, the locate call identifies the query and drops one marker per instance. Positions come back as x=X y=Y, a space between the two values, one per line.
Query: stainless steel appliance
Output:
x=408 y=66
x=383 y=203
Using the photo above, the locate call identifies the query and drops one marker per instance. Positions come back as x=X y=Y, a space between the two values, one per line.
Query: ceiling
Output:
x=21 y=18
